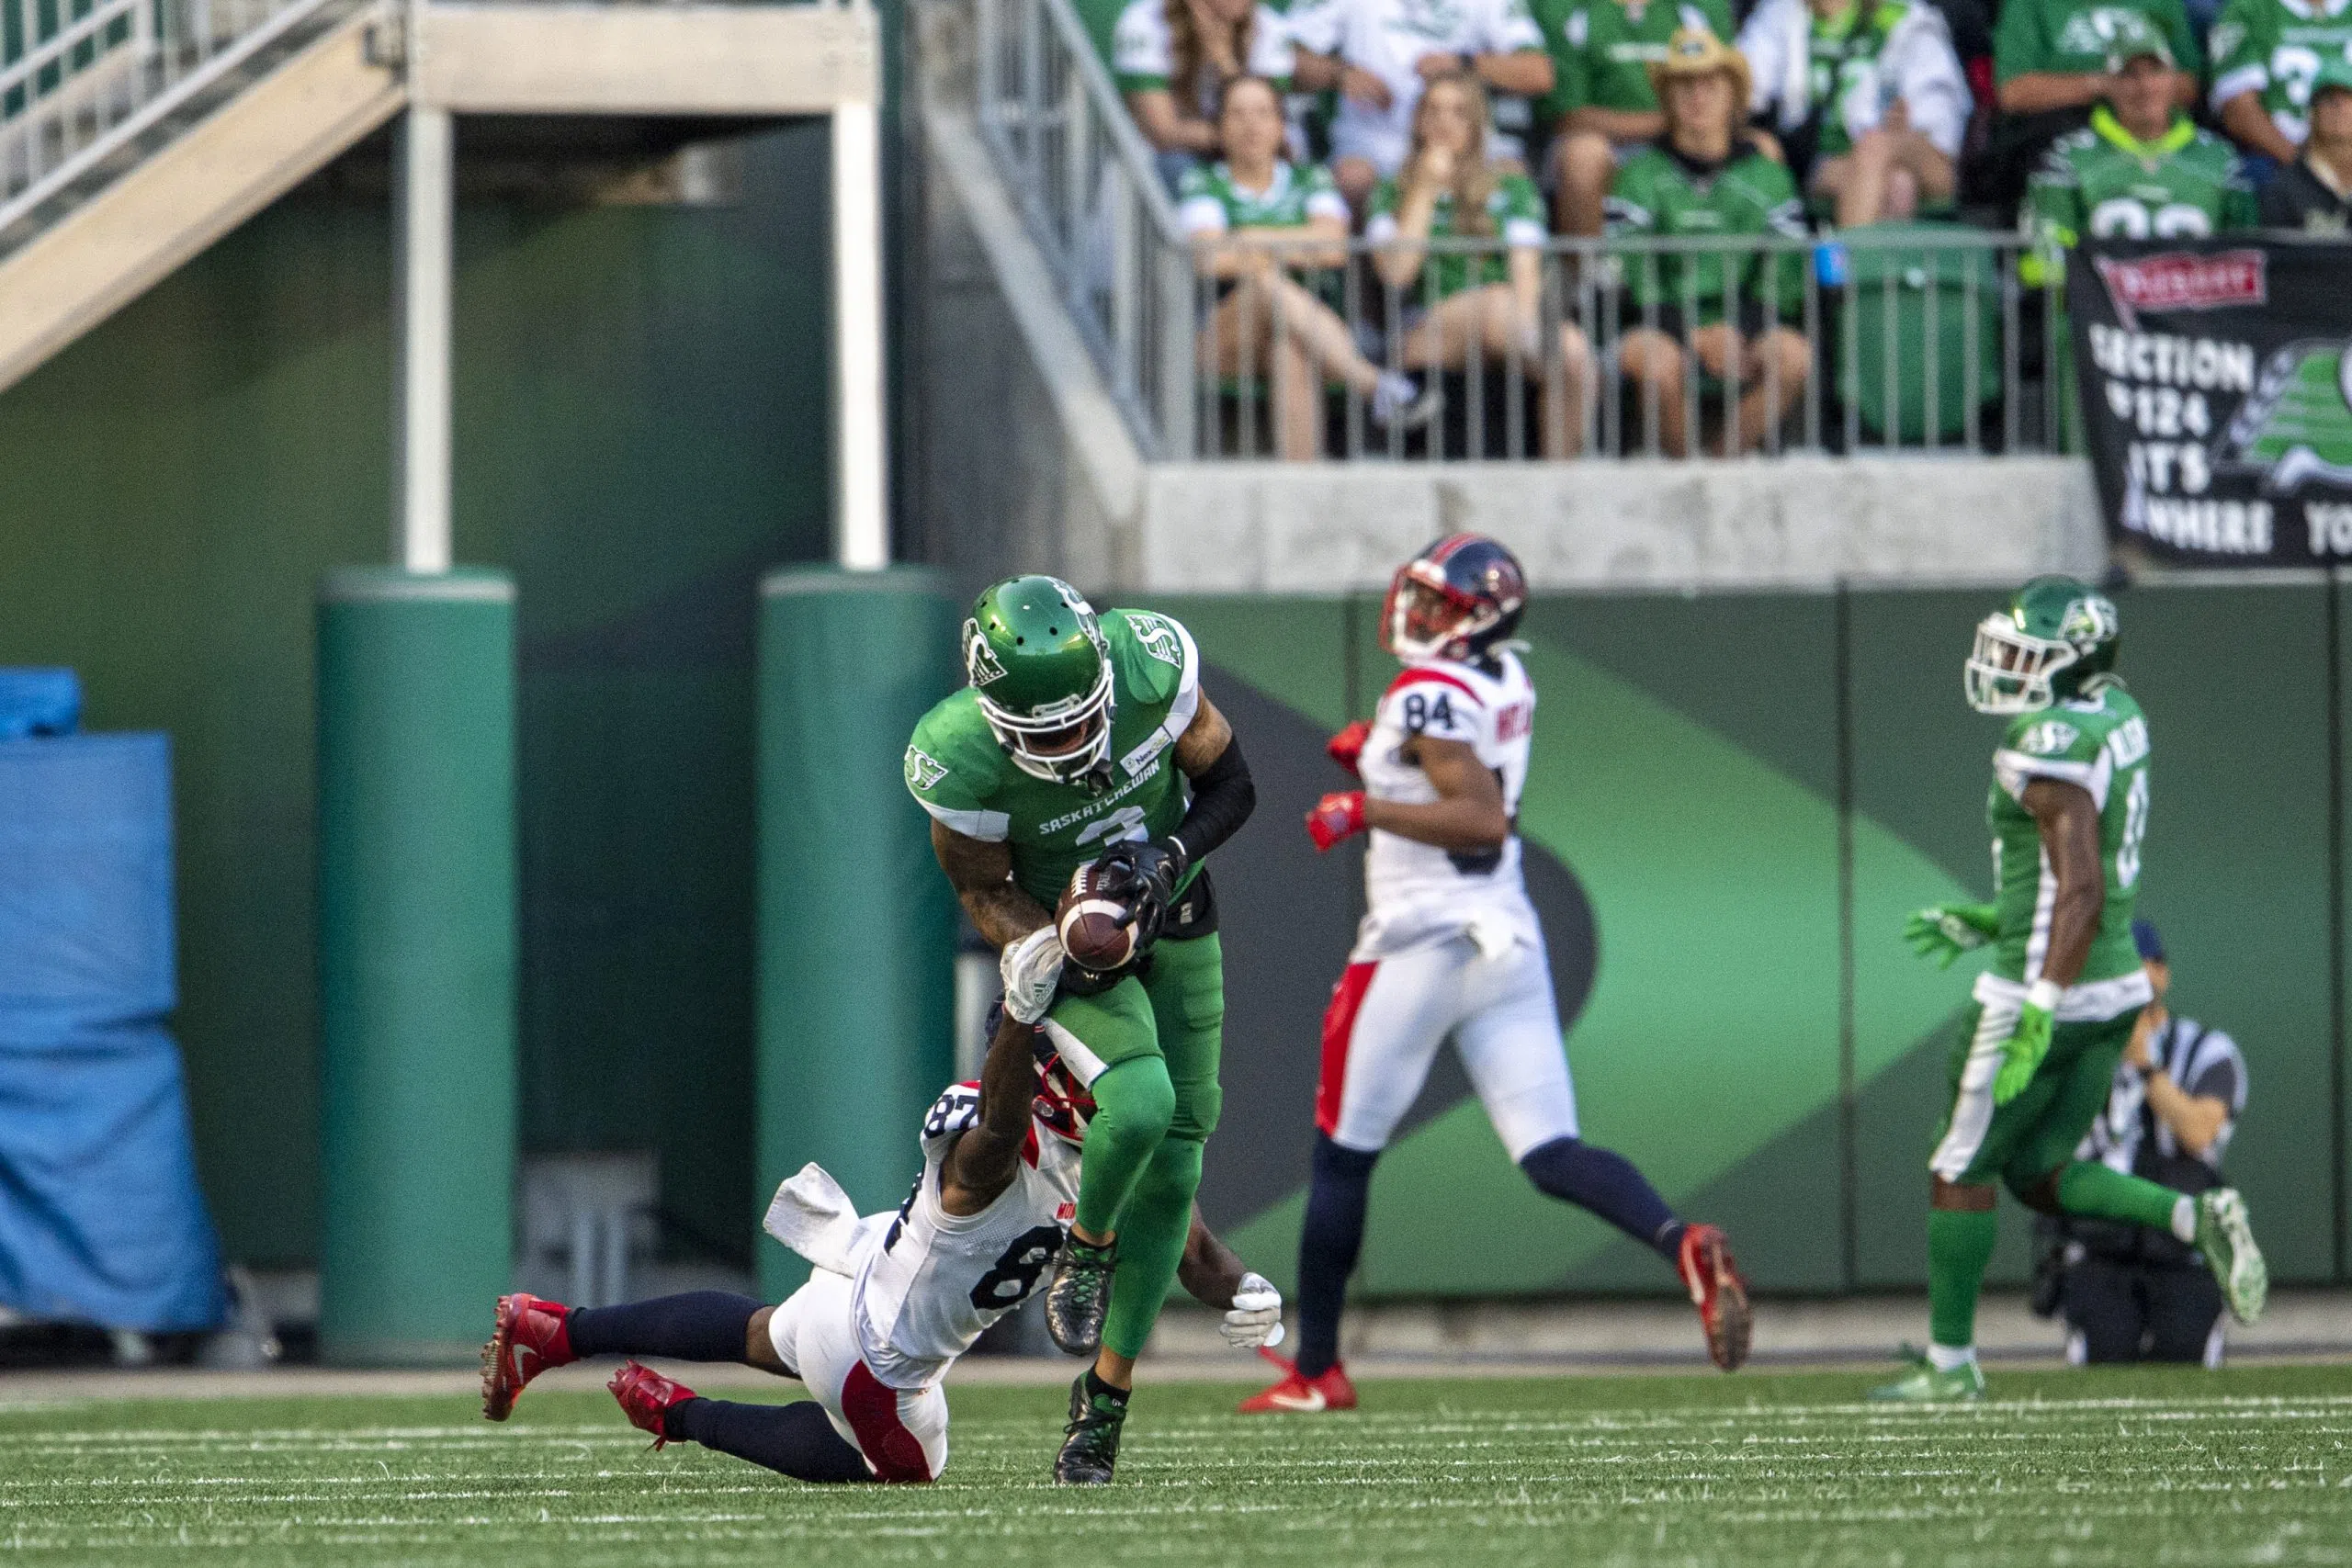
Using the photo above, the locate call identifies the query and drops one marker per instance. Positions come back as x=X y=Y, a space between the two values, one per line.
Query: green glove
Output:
x=2022 y=1051
x=1945 y=930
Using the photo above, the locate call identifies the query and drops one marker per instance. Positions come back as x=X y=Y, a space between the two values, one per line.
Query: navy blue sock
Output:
x=1328 y=1245
x=700 y=1326
x=791 y=1440
x=1605 y=1182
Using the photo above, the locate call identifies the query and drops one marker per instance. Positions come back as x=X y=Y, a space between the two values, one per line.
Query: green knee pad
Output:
x=1132 y=1104
x=1153 y=1228
x=1186 y=989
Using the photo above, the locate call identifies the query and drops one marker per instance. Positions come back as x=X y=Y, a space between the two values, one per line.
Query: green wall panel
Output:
x=2237 y=871
x=640 y=417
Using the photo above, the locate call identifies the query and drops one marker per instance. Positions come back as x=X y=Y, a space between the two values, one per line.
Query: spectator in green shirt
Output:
x=1466 y=311
x=1247 y=216
x=1171 y=60
x=1602 y=105
x=1708 y=177
x=2050 y=70
x=2267 y=56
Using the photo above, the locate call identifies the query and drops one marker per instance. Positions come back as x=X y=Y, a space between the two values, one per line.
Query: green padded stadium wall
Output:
x=641 y=409
x=1749 y=791
x=856 y=926
x=416 y=961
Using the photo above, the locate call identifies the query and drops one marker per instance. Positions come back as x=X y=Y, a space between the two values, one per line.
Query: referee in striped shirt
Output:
x=2129 y=1293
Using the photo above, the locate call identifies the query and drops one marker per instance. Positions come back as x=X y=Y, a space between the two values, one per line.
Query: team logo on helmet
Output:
x=1062 y=1103
x=982 y=665
x=2090 y=620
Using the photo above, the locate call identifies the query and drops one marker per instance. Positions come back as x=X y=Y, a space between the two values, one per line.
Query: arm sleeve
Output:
x=1524 y=224
x=1139 y=55
x=2052 y=214
x=1315 y=29
x=1424 y=702
x=1933 y=87
x=1323 y=197
x=2240 y=208
x=2217 y=1073
x=2016 y=41
x=1509 y=28
x=1571 y=64
x=949 y=797
x=1197 y=206
x=1759 y=41
x=1625 y=207
x=2046 y=745
x=1270 y=50
x=2241 y=64
x=1222 y=798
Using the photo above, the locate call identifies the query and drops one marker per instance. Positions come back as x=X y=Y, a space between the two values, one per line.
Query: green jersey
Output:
x=2100 y=743
x=1839 y=49
x=1514 y=212
x=2070 y=37
x=2275 y=48
x=965 y=779
x=1601 y=49
x=2102 y=183
x=1209 y=201
x=1658 y=192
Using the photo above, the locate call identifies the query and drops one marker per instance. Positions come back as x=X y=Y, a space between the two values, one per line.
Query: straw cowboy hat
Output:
x=1696 y=51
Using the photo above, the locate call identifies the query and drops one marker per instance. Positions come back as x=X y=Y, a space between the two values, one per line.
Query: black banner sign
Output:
x=2216 y=382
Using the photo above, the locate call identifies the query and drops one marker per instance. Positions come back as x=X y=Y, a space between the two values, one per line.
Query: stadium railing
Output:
x=1921 y=338
x=80 y=84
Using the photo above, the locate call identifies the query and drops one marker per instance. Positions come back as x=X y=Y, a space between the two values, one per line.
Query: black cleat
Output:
x=1091 y=1448
x=1079 y=1297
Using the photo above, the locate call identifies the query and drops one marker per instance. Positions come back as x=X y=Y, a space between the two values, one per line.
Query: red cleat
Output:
x=1719 y=1293
x=1302 y=1395
x=532 y=1335
x=646 y=1396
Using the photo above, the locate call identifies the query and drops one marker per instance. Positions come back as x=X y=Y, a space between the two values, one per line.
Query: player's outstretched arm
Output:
x=981 y=874
x=1468 y=813
x=982 y=1165
x=1216 y=1276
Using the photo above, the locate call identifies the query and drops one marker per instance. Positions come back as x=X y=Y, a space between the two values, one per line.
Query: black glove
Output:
x=1144 y=875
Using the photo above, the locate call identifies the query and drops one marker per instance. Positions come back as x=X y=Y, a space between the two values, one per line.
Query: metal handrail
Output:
x=175 y=51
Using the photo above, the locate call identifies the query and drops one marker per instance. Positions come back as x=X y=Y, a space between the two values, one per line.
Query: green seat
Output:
x=1929 y=303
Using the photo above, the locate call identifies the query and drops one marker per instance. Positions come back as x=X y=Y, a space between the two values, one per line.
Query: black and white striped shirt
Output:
x=2203 y=1062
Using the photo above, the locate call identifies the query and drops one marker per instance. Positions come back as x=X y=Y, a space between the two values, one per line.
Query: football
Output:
x=1093 y=925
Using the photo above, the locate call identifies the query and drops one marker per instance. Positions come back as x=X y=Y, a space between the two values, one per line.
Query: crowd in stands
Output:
x=1412 y=120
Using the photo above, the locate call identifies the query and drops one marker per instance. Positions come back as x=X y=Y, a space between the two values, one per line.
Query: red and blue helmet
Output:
x=1455 y=599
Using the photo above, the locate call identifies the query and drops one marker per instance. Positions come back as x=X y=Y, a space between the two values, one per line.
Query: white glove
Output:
x=1032 y=967
x=1256 y=1317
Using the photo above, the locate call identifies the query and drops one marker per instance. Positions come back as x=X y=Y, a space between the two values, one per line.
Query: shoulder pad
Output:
x=957 y=1109
x=1153 y=654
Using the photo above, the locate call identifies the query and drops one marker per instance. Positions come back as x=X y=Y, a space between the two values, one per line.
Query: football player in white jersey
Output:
x=1451 y=947
x=894 y=1298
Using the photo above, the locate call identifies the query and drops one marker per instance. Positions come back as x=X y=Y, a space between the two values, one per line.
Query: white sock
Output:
x=2184 y=1219
x=1950 y=1357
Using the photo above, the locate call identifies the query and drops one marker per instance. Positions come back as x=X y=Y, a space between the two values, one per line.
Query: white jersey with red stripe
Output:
x=935 y=1281
x=1414 y=893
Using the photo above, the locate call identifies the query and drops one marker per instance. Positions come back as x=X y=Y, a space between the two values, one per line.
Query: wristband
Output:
x=2045 y=995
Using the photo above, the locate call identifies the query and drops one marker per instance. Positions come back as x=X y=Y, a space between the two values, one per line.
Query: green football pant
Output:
x=2021 y=1144
x=1151 y=1045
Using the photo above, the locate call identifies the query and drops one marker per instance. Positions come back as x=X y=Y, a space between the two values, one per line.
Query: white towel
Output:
x=812 y=1215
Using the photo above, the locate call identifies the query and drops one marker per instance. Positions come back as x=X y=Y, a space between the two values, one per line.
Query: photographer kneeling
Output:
x=2129 y=1293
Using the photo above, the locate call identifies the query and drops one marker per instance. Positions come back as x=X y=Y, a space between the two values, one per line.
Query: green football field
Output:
x=2072 y=1468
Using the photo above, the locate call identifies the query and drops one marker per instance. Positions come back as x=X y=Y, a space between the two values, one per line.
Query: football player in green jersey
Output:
x=2051 y=1015
x=2267 y=60
x=2140 y=170
x=1084 y=741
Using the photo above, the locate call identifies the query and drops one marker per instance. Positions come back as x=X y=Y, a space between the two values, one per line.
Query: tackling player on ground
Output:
x=894 y=1299
x=1081 y=741
x=2037 y=1054
x=1451 y=946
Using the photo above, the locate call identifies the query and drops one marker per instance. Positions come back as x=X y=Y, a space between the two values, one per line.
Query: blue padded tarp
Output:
x=86 y=885
x=38 y=701
x=100 y=1217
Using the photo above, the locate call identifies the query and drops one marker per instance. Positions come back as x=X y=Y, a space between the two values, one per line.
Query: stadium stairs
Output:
x=1023 y=453
x=124 y=153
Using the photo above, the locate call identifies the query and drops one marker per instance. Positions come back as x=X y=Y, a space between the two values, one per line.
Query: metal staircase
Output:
x=137 y=132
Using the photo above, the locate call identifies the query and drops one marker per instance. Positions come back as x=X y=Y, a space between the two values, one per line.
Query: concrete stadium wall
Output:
x=641 y=409
x=1735 y=800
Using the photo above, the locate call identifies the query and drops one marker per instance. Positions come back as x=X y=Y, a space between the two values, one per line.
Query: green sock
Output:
x=1133 y=1103
x=1152 y=1232
x=1959 y=1244
x=2087 y=1186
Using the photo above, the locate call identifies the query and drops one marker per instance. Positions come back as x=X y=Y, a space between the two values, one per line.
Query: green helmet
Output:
x=1037 y=660
x=2049 y=641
